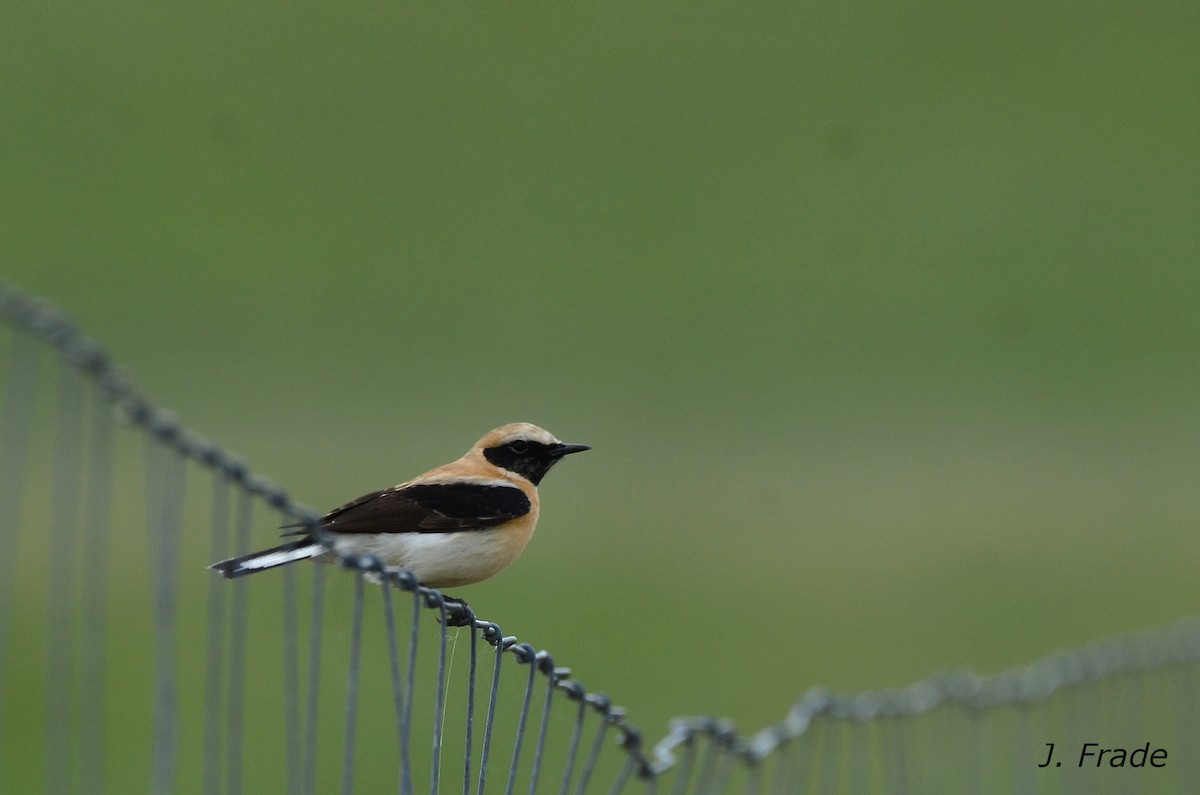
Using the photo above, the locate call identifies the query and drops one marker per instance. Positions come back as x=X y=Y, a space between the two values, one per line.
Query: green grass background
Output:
x=883 y=321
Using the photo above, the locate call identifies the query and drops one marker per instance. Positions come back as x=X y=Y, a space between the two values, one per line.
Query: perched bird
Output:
x=454 y=525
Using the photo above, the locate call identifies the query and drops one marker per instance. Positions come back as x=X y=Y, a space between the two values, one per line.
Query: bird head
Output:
x=525 y=449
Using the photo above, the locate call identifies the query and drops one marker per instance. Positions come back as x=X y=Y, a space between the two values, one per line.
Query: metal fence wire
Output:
x=125 y=666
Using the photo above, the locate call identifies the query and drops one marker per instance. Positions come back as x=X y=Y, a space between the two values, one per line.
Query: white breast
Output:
x=439 y=560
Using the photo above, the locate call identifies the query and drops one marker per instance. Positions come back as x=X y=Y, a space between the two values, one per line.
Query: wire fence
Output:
x=126 y=666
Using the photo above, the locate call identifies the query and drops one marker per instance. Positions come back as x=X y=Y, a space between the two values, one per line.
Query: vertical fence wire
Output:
x=98 y=497
x=16 y=425
x=313 y=690
x=166 y=529
x=351 y=722
x=16 y=428
x=525 y=654
x=576 y=693
x=410 y=688
x=892 y=754
x=469 y=728
x=439 y=702
x=293 y=754
x=716 y=767
x=974 y=752
x=546 y=665
x=1023 y=770
x=798 y=765
x=389 y=620
x=627 y=770
x=683 y=767
x=236 y=699
x=214 y=668
x=754 y=779
x=858 y=750
x=493 y=632
x=589 y=766
x=62 y=682
x=1186 y=683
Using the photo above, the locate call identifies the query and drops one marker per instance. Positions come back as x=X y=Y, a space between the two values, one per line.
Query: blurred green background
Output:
x=883 y=321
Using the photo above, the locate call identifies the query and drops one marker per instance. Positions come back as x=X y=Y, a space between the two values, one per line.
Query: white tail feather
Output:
x=268 y=559
x=277 y=557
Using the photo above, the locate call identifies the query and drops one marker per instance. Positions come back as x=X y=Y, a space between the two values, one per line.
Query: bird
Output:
x=457 y=524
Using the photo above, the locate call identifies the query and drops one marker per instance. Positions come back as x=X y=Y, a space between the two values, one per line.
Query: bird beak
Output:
x=561 y=449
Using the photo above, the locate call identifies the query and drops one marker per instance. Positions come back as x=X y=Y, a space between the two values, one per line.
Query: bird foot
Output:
x=458 y=612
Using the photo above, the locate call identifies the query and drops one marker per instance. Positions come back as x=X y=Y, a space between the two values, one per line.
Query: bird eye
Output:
x=520 y=446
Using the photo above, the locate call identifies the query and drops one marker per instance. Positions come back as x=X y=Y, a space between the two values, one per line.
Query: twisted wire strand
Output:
x=1150 y=650
x=42 y=321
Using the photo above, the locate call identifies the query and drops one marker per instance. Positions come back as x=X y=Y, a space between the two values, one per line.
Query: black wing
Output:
x=429 y=508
